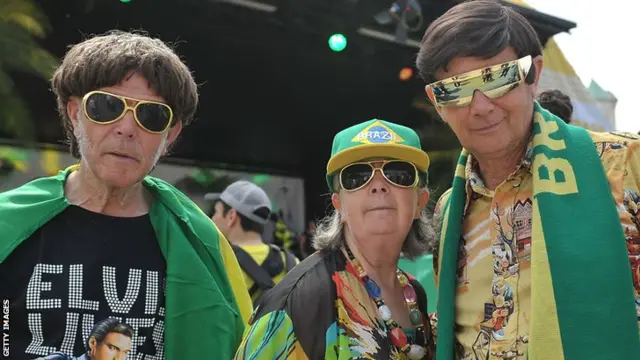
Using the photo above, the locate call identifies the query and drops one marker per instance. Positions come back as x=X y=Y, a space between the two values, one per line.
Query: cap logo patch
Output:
x=377 y=133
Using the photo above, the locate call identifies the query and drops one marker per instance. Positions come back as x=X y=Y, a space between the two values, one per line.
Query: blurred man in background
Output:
x=241 y=212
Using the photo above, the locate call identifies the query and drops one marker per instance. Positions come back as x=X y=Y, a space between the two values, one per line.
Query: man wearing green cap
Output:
x=349 y=299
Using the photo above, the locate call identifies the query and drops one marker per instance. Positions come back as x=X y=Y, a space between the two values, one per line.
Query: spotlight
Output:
x=405 y=73
x=337 y=42
x=406 y=14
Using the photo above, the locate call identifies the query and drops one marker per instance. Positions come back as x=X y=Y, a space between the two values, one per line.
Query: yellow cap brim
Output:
x=391 y=151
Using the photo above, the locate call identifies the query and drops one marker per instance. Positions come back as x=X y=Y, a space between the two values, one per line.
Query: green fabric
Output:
x=374 y=138
x=588 y=259
x=422 y=269
x=202 y=318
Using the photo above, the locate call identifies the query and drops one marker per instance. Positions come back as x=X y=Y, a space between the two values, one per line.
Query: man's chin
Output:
x=493 y=147
x=119 y=177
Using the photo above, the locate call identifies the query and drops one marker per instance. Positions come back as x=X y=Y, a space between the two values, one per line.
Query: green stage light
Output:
x=337 y=42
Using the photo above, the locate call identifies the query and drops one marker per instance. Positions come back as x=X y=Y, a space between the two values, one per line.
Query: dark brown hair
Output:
x=481 y=28
x=105 y=327
x=108 y=59
x=557 y=103
x=245 y=223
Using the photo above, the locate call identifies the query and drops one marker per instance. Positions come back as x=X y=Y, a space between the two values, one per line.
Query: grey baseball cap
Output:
x=245 y=197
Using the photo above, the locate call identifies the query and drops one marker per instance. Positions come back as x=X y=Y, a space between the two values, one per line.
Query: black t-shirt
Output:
x=78 y=269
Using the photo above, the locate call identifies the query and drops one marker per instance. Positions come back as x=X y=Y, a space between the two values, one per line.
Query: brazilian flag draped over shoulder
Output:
x=207 y=304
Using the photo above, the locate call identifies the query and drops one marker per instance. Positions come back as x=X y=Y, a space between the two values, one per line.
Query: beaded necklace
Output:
x=396 y=334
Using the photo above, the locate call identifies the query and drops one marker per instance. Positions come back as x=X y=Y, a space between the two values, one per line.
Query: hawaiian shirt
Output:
x=493 y=298
x=321 y=310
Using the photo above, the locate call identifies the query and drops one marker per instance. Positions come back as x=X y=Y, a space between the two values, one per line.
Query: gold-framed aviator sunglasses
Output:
x=399 y=173
x=104 y=108
x=494 y=82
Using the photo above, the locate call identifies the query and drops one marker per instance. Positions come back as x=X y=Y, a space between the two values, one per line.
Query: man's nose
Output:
x=481 y=105
x=127 y=126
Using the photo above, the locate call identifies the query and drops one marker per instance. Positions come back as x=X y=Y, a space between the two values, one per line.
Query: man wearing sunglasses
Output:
x=542 y=220
x=103 y=239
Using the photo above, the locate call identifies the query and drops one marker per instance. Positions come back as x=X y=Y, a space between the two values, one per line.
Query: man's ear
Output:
x=432 y=98
x=430 y=95
x=233 y=217
x=423 y=198
x=73 y=109
x=174 y=131
x=92 y=344
x=537 y=64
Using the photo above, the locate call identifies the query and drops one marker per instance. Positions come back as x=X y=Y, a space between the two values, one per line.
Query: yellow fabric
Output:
x=554 y=59
x=493 y=299
x=558 y=73
x=541 y=281
x=234 y=273
x=593 y=127
x=259 y=254
x=283 y=235
x=50 y=162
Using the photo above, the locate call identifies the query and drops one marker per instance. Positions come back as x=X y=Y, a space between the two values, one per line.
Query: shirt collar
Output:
x=474 y=180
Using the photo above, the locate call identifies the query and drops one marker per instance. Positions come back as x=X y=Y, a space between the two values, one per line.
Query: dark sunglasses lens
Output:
x=354 y=176
x=154 y=117
x=400 y=173
x=103 y=107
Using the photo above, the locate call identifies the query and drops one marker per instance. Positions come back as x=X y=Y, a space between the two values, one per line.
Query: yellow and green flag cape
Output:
x=207 y=303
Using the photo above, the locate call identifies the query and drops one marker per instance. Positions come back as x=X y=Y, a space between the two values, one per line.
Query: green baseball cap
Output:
x=376 y=139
